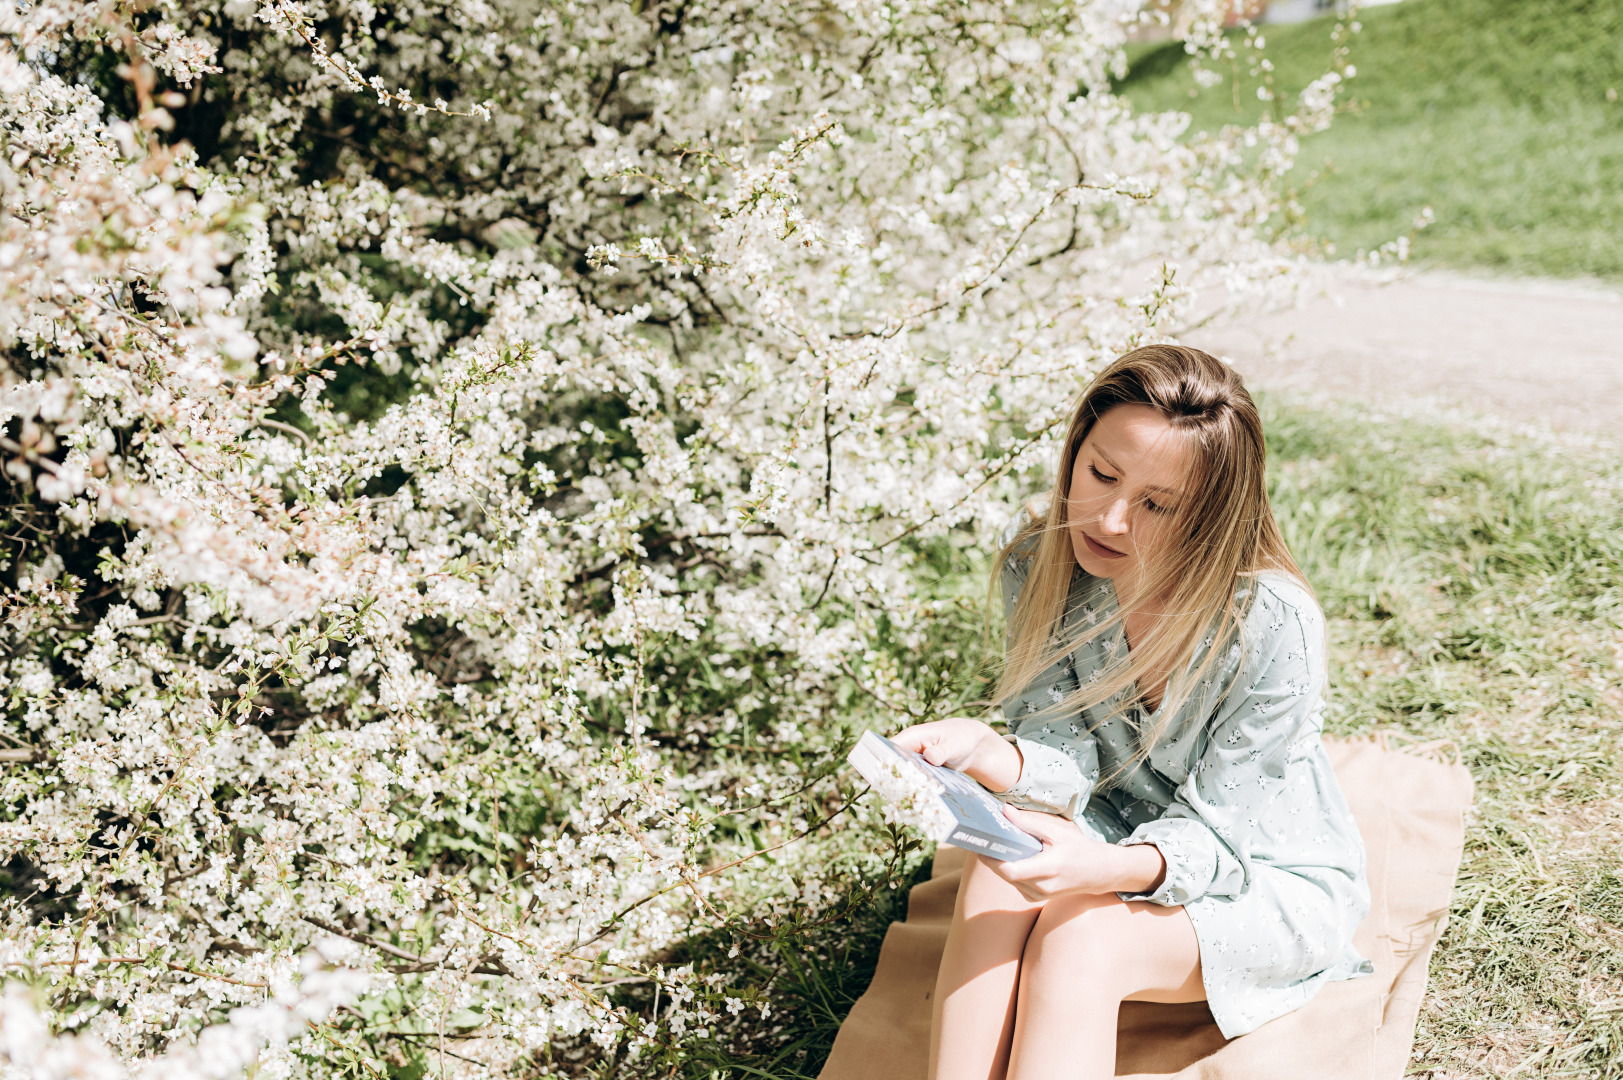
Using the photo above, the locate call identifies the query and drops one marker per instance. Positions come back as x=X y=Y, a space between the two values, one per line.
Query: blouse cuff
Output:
x=1191 y=864
x=1048 y=780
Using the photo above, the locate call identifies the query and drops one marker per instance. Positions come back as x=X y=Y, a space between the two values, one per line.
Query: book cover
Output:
x=946 y=804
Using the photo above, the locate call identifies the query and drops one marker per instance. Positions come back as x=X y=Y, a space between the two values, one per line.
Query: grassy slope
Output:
x=1493 y=112
x=1474 y=587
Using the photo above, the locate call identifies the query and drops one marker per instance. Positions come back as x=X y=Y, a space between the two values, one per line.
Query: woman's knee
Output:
x=1080 y=939
x=982 y=891
x=1083 y=919
x=1113 y=947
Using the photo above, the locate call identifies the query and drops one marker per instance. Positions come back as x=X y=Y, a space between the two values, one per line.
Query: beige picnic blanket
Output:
x=1410 y=808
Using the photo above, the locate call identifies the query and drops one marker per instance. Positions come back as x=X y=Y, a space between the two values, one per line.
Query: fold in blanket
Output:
x=1410 y=809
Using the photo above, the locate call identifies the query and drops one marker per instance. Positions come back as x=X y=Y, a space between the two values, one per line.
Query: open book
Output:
x=948 y=805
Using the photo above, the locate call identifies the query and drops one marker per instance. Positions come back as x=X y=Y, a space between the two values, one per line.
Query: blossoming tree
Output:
x=466 y=468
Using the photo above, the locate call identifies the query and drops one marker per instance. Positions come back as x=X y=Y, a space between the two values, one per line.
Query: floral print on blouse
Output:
x=1261 y=849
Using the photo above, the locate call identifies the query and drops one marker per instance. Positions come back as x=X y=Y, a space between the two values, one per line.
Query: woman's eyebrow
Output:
x=1097 y=449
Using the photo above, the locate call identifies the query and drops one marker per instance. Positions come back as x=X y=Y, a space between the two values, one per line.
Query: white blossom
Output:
x=436 y=528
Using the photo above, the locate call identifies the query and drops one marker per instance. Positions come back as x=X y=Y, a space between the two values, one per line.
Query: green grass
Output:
x=1473 y=582
x=1493 y=112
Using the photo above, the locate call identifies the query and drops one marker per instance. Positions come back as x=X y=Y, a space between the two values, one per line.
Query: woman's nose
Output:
x=1113 y=522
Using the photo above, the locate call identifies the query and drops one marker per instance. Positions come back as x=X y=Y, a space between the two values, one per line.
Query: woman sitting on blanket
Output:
x=1163 y=696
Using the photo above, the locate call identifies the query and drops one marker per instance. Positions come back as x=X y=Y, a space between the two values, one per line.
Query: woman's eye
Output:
x=1097 y=475
x=1155 y=507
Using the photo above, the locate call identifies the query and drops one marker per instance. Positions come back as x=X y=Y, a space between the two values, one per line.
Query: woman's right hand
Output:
x=968 y=745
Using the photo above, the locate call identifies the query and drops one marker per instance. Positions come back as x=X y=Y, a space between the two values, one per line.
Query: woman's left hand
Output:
x=1071 y=861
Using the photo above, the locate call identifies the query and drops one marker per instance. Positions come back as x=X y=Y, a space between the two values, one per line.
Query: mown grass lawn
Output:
x=1473 y=581
x=1504 y=116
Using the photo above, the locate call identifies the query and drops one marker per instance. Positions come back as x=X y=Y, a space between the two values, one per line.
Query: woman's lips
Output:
x=1100 y=550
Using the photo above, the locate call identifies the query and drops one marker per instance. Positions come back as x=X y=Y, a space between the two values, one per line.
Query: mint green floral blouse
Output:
x=1261 y=849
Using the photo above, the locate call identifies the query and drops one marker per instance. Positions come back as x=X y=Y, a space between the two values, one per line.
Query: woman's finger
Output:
x=1046 y=827
x=1019 y=874
x=1005 y=870
x=1015 y=871
x=1035 y=883
x=911 y=738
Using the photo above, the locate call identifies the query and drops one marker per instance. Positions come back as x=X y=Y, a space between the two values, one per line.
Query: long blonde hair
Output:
x=1221 y=529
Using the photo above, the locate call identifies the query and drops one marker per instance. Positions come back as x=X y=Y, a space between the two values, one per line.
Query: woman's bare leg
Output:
x=973 y=1014
x=1084 y=957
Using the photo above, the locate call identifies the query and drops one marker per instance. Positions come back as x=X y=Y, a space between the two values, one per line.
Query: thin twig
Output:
x=170 y=964
x=286 y=429
x=623 y=912
x=1007 y=463
x=32 y=456
x=363 y=939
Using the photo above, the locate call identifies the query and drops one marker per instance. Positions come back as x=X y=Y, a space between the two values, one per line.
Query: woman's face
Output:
x=1127 y=481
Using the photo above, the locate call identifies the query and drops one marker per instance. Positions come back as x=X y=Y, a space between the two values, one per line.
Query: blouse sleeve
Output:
x=1059 y=758
x=1254 y=751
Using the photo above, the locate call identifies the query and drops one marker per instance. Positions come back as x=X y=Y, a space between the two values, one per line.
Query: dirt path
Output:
x=1545 y=352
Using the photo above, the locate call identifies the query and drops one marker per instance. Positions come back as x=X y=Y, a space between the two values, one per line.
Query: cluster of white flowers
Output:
x=467 y=539
x=912 y=799
x=262 y=1035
